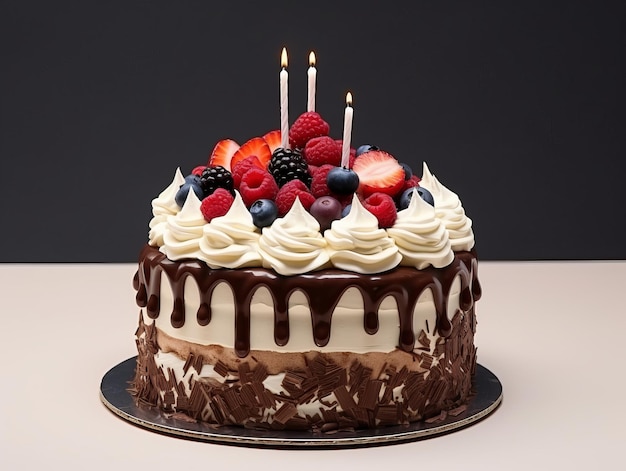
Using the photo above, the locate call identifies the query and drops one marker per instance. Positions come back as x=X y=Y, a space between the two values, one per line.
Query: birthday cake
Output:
x=293 y=286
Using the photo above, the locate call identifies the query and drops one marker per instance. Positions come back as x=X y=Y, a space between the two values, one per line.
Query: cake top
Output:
x=299 y=210
x=298 y=200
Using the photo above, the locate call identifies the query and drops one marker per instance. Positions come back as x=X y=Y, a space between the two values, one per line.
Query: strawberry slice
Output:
x=255 y=146
x=223 y=153
x=378 y=171
x=272 y=139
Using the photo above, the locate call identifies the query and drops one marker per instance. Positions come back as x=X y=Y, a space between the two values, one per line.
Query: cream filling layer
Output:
x=347 y=333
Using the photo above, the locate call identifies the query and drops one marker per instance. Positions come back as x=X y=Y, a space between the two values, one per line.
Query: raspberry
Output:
x=306 y=127
x=352 y=152
x=410 y=183
x=216 y=204
x=242 y=167
x=383 y=207
x=257 y=184
x=322 y=150
x=198 y=170
x=288 y=193
x=319 y=187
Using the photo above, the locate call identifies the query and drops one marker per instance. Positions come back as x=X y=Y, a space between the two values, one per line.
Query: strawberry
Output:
x=383 y=207
x=222 y=153
x=255 y=146
x=273 y=140
x=378 y=171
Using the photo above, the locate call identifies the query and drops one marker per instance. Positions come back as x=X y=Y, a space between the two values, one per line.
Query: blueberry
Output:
x=192 y=178
x=263 y=212
x=346 y=211
x=342 y=181
x=405 y=199
x=408 y=172
x=181 y=194
x=365 y=148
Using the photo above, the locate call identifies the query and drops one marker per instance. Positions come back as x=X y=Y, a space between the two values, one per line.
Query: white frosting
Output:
x=231 y=241
x=357 y=244
x=448 y=208
x=181 y=238
x=163 y=206
x=293 y=245
x=420 y=236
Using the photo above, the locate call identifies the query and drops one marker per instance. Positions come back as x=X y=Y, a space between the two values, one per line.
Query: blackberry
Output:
x=287 y=165
x=216 y=177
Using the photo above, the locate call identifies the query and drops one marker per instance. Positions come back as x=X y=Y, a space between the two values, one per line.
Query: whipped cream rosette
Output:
x=420 y=236
x=163 y=206
x=448 y=208
x=181 y=238
x=357 y=244
x=293 y=245
x=232 y=240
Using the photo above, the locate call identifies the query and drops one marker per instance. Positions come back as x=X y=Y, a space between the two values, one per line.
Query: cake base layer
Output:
x=317 y=391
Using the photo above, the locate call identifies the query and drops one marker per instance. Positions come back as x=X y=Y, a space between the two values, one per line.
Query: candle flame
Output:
x=349 y=99
x=283 y=58
x=312 y=59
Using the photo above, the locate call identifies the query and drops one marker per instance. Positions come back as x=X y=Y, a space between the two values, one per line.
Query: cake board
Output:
x=116 y=397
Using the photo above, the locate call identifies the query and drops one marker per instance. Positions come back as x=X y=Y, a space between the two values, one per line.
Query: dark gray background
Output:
x=519 y=108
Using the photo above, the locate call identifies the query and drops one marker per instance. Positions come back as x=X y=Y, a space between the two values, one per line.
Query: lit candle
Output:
x=312 y=74
x=347 y=132
x=284 y=101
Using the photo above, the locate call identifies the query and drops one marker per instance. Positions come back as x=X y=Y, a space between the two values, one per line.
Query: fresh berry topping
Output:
x=326 y=209
x=378 y=171
x=410 y=183
x=272 y=140
x=352 y=151
x=287 y=165
x=405 y=199
x=288 y=193
x=382 y=206
x=319 y=187
x=193 y=178
x=342 y=181
x=312 y=169
x=255 y=146
x=365 y=148
x=213 y=178
x=306 y=127
x=223 y=153
x=198 y=170
x=241 y=167
x=408 y=171
x=346 y=210
x=216 y=204
x=264 y=212
x=322 y=150
x=181 y=194
x=257 y=184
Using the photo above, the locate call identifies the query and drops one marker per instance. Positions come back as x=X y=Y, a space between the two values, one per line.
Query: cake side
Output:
x=424 y=368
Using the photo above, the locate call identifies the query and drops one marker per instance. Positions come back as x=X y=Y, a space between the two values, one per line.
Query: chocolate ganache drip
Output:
x=323 y=289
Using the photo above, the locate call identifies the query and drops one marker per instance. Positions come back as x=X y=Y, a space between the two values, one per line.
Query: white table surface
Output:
x=553 y=332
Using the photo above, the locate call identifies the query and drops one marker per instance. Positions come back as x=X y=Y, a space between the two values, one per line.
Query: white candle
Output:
x=347 y=132
x=284 y=101
x=312 y=75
